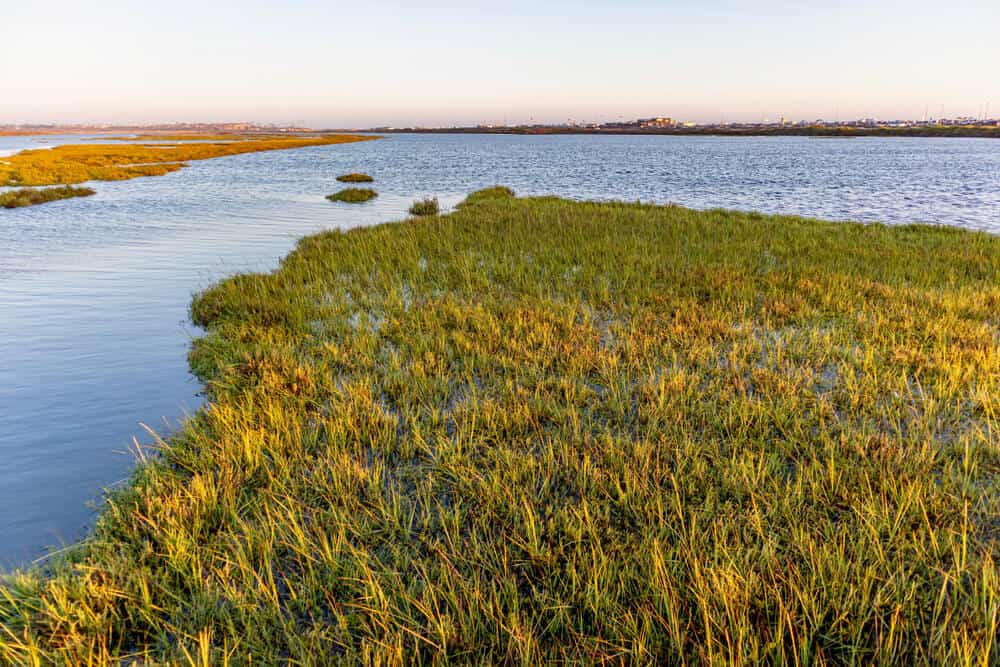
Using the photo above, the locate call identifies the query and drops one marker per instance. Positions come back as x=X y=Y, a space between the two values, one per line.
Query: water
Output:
x=94 y=292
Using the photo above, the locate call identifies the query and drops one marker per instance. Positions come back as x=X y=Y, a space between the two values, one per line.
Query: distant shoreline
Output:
x=149 y=132
x=982 y=132
x=967 y=131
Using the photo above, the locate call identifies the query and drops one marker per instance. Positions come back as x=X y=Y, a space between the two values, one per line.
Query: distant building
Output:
x=656 y=122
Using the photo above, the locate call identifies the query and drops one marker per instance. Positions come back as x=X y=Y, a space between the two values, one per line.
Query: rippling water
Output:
x=94 y=292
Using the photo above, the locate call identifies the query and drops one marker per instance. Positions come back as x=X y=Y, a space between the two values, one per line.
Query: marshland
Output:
x=32 y=196
x=153 y=156
x=528 y=428
x=537 y=429
x=353 y=195
x=355 y=178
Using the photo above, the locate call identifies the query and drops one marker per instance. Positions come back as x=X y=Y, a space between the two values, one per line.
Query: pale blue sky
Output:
x=330 y=63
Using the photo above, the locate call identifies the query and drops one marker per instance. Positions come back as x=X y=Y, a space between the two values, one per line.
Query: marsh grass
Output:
x=33 y=196
x=427 y=206
x=76 y=163
x=355 y=178
x=539 y=430
x=353 y=195
x=497 y=192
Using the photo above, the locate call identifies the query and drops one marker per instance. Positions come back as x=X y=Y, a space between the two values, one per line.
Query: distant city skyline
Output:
x=654 y=122
x=385 y=63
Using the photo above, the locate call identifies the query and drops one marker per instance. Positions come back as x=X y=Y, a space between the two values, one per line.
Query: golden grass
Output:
x=32 y=196
x=425 y=206
x=543 y=431
x=353 y=195
x=355 y=178
x=76 y=163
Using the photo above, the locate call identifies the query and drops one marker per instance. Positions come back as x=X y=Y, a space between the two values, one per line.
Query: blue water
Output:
x=94 y=292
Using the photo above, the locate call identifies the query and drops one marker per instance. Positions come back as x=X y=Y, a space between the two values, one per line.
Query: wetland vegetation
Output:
x=536 y=429
x=353 y=195
x=33 y=196
x=355 y=178
x=427 y=206
x=77 y=163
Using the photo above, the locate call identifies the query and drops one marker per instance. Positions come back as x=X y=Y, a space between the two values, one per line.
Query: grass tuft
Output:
x=353 y=195
x=496 y=192
x=355 y=178
x=427 y=206
x=33 y=196
x=536 y=430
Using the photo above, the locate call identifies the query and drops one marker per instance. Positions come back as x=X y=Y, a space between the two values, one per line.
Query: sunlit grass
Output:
x=33 y=196
x=355 y=178
x=353 y=195
x=76 y=163
x=537 y=430
x=496 y=192
x=427 y=206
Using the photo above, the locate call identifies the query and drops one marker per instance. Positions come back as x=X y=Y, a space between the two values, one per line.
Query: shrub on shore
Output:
x=427 y=206
x=353 y=195
x=355 y=178
x=540 y=431
x=33 y=196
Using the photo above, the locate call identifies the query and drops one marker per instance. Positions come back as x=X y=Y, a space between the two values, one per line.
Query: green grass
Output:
x=353 y=195
x=33 y=196
x=427 y=206
x=539 y=430
x=355 y=178
x=496 y=192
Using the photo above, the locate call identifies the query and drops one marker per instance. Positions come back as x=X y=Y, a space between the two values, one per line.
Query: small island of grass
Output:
x=427 y=206
x=353 y=195
x=355 y=178
x=33 y=196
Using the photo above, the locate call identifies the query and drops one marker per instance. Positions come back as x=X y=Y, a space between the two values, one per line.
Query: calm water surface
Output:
x=94 y=292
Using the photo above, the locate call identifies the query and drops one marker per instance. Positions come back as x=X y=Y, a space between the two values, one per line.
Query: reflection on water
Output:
x=94 y=292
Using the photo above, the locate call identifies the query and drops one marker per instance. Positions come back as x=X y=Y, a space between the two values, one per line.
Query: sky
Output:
x=370 y=63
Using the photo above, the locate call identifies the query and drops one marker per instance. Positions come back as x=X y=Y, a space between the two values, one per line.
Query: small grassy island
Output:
x=154 y=156
x=355 y=178
x=353 y=195
x=428 y=206
x=536 y=429
x=33 y=196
